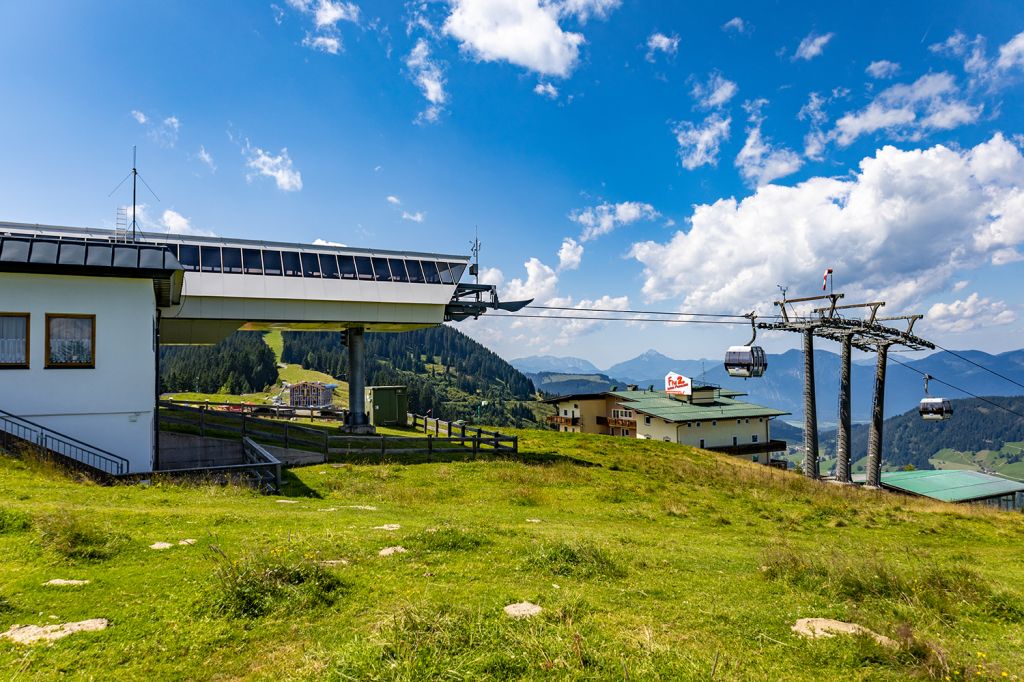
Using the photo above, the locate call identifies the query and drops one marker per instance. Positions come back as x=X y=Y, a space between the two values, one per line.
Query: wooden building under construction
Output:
x=311 y=394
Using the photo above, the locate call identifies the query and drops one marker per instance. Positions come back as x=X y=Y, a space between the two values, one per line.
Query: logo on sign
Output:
x=677 y=384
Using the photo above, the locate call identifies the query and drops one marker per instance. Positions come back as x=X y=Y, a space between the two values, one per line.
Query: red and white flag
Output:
x=824 y=279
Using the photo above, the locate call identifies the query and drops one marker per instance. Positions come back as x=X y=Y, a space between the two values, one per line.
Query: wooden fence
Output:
x=456 y=438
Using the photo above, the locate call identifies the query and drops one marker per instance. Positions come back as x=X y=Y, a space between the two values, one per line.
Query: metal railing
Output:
x=258 y=467
x=19 y=428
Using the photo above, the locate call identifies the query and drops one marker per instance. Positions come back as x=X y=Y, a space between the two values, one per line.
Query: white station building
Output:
x=84 y=311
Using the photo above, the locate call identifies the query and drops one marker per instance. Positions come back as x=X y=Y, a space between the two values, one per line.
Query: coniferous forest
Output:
x=241 y=363
x=448 y=374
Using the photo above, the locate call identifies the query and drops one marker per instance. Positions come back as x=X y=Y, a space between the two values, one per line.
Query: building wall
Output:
x=714 y=432
x=588 y=411
x=109 y=406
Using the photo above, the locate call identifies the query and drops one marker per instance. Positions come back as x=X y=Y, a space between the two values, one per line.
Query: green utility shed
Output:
x=387 y=405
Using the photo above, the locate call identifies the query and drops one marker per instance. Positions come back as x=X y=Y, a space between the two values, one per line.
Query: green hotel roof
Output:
x=724 y=406
x=951 y=485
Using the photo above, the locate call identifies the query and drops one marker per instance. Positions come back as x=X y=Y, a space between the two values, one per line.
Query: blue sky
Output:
x=616 y=154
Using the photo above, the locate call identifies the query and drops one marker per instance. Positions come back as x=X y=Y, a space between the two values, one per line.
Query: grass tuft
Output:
x=12 y=521
x=447 y=539
x=74 y=539
x=581 y=559
x=260 y=582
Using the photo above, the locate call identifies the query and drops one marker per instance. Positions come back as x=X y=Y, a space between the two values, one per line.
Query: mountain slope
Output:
x=536 y=364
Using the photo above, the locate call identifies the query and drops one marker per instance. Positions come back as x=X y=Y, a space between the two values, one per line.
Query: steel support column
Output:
x=843 y=432
x=810 y=409
x=877 y=420
x=356 y=377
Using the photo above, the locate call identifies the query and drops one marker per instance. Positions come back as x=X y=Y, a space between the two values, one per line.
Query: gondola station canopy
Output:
x=950 y=485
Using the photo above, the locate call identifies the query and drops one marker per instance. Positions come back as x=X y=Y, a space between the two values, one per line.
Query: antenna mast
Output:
x=474 y=247
x=135 y=175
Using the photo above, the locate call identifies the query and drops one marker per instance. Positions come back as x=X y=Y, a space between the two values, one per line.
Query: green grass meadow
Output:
x=651 y=561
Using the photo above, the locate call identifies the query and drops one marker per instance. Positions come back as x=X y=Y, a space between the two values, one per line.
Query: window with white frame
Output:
x=70 y=341
x=14 y=330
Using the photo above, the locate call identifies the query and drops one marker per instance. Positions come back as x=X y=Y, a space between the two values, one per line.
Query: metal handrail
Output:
x=64 y=445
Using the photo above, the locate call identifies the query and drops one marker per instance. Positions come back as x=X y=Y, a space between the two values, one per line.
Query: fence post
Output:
x=463 y=432
x=327 y=445
x=202 y=422
x=425 y=423
x=383 y=447
x=437 y=427
x=286 y=435
x=515 y=444
x=476 y=445
x=430 y=445
x=243 y=425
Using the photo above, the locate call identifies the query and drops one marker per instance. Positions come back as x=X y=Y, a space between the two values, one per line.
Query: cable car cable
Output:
x=980 y=366
x=957 y=388
x=636 y=312
x=616 y=319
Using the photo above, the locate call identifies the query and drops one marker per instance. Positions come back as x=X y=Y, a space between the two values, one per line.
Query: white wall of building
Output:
x=110 y=406
x=715 y=433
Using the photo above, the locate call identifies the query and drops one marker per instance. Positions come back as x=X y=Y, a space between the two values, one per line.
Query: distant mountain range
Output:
x=782 y=385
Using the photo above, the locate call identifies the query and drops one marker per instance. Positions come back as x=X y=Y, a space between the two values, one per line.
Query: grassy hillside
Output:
x=650 y=560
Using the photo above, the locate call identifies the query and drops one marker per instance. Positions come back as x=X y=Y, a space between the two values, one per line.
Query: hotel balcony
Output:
x=559 y=420
x=750 y=448
x=622 y=423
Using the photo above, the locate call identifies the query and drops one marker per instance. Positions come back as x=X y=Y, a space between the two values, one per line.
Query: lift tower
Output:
x=864 y=334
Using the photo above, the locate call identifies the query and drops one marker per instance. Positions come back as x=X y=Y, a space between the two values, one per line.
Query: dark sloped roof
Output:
x=26 y=253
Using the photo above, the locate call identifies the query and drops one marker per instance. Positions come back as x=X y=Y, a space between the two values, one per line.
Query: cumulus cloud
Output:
x=570 y=254
x=883 y=68
x=328 y=44
x=659 y=42
x=325 y=242
x=760 y=161
x=812 y=46
x=139 y=117
x=325 y=16
x=603 y=218
x=429 y=77
x=715 y=92
x=546 y=90
x=539 y=283
x=1011 y=54
x=393 y=200
x=973 y=312
x=910 y=110
x=735 y=24
x=699 y=143
x=816 y=138
x=416 y=217
x=279 y=167
x=900 y=228
x=526 y=33
x=169 y=221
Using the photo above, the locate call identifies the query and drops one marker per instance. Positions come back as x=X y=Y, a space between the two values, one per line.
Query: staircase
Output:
x=17 y=430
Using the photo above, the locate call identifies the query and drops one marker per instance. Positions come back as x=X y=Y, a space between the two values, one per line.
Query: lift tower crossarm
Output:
x=830 y=297
x=874 y=305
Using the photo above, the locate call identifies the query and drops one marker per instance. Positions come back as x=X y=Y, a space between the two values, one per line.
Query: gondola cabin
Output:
x=935 y=409
x=746 y=362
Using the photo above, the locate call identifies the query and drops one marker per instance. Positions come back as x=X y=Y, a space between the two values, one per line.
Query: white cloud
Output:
x=735 y=24
x=659 y=42
x=206 y=158
x=429 y=77
x=546 y=90
x=699 y=144
x=899 y=229
x=959 y=286
x=539 y=284
x=325 y=242
x=760 y=161
x=170 y=221
x=715 y=93
x=812 y=46
x=417 y=217
x=164 y=133
x=328 y=14
x=570 y=254
x=1012 y=52
x=325 y=15
x=523 y=32
x=973 y=312
x=603 y=218
x=328 y=44
x=139 y=116
x=910 y=110
x=260 y=162
x=883 y=68
x=815 y=139
x=393 y=200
